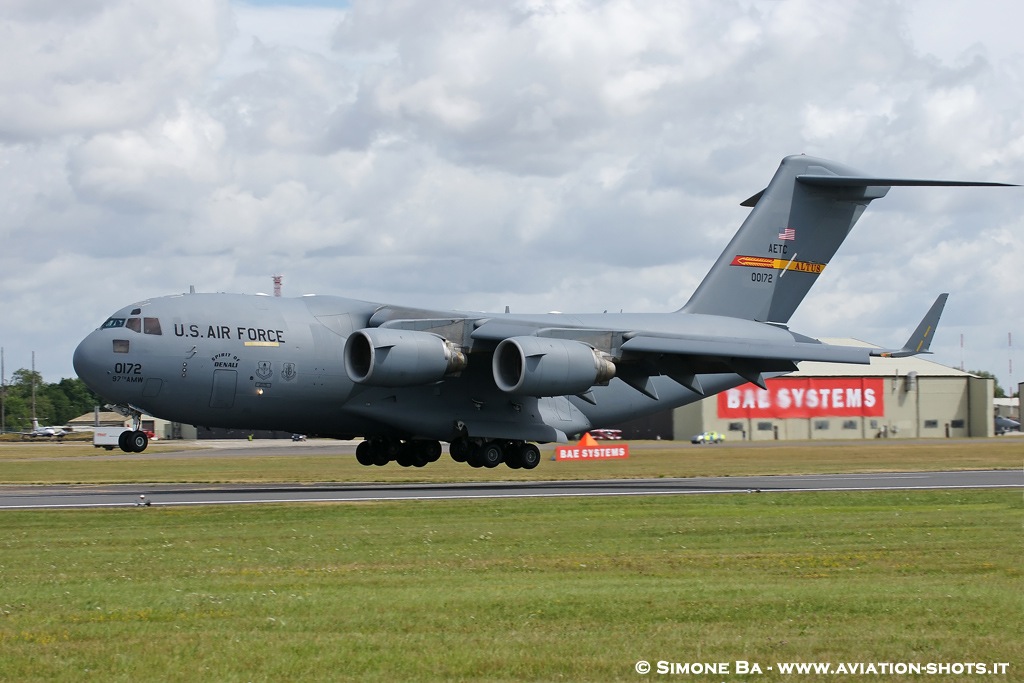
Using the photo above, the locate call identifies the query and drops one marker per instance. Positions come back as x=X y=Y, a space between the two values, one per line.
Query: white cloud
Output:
x=90 y=67
x=561 y=154
x=152 y=167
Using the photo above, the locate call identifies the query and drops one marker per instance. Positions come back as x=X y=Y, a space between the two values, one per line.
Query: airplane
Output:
x=492 y=385
x=43 y=432
x=1005 y=424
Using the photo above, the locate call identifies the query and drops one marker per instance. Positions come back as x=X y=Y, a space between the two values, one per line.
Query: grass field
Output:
x=539 y=589
x=80 y=463
x=552 y=589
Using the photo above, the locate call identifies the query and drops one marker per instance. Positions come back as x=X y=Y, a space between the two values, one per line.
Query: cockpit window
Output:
x=151 y=326
x=134 y=324
x=136 y=311
x=113 y=322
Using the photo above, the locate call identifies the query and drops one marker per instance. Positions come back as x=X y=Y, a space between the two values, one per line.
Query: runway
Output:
x=130 y=495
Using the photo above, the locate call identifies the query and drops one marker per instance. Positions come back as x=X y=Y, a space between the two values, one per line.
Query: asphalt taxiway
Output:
x=126 y=495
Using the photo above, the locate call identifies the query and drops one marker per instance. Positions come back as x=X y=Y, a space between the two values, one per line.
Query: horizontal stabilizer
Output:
x=793 y=231
x=861 y=181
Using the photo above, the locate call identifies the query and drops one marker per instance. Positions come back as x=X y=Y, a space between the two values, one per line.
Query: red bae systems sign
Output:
x=805 y=397
x=590 y=449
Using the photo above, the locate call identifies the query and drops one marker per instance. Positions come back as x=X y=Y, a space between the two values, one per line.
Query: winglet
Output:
x=921 y=339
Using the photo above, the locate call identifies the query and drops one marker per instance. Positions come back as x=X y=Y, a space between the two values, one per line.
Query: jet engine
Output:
x=539 y=366
x=387 y=357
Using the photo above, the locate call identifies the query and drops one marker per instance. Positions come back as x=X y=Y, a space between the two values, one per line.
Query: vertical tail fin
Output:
x=795 y=228
x=785 y=243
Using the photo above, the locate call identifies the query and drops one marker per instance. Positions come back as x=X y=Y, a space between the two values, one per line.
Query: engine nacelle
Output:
x=540 y=366
x=387 y=357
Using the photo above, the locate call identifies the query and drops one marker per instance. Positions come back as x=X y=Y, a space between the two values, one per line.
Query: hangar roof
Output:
x=107 y=419
x=879 y=367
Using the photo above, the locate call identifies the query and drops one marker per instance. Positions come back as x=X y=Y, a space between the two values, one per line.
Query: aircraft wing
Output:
x=641 y=354
x=810 y=350
x=749 y=351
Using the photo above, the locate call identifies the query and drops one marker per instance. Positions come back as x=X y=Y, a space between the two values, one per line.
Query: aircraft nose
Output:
x=88 y=361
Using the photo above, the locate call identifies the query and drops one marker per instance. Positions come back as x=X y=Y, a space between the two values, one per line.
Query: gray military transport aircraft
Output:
x=405 y=379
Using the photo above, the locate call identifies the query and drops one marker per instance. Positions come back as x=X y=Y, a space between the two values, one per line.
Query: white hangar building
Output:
x=896 y=398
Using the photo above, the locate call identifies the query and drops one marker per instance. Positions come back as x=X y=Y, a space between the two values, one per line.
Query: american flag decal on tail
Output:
x=787 y=234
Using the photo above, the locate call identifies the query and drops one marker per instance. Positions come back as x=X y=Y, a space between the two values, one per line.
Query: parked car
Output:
x=606 y=434
x=708 y=437
x=298 y=437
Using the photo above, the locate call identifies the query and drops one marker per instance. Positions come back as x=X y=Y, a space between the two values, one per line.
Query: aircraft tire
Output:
x=392 y=447
x=513 y=454
x=379 y=453
x=473 y=458
x=406 y=454
x=491 y=454
x=529 y=455
x=425 y=452
x=138 y=441
x=432 y=449
x=459 y=449
x=363 y=454
x=384 y=450
x=122 y=442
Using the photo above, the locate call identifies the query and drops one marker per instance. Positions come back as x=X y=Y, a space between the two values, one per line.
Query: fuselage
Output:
x=259 y=362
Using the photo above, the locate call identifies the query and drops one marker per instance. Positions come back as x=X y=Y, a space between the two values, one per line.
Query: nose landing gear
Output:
x=134 y=440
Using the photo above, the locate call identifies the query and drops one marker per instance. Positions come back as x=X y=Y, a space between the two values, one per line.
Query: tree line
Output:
x=56 y=403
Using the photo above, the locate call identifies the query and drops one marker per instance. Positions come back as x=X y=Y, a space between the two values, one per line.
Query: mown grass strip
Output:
x=570 y=589
x=60 y=465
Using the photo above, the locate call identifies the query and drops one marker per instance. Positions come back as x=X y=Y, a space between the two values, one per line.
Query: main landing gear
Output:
x=133 y=441
x=381 y=451
x=478 y=453
x=474 y=452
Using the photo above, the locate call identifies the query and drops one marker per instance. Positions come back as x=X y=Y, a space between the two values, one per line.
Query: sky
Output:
x=537 y=154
